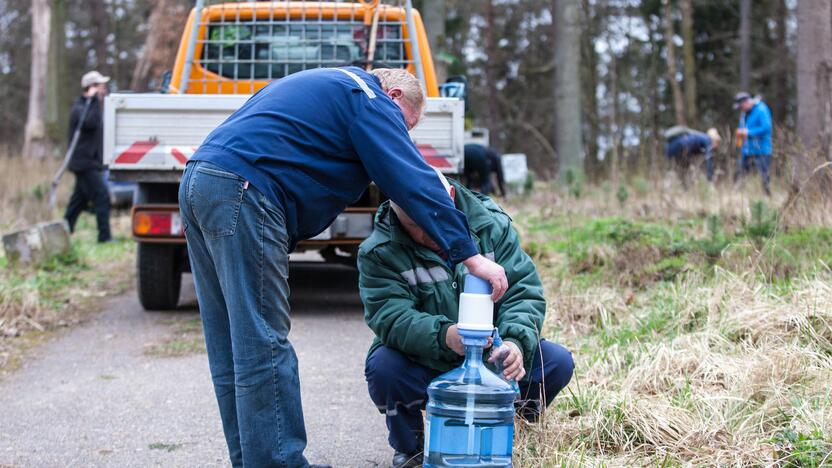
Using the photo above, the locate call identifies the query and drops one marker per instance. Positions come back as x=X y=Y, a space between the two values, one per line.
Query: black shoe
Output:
x=407 y=460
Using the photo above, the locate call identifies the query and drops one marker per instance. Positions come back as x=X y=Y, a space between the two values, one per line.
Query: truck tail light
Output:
x=157 y=223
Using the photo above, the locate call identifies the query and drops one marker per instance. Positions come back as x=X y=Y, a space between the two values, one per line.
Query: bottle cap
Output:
x=476 y=285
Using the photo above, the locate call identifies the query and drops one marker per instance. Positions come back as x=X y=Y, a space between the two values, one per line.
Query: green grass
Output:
x=58 y=292
x=185 y=339
x=641 y=252
x=702 y=334
x=805 y=450
x=164 y=447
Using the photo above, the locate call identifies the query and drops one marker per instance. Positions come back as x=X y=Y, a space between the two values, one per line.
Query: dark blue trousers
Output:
x=398 y=387
x=761 y=162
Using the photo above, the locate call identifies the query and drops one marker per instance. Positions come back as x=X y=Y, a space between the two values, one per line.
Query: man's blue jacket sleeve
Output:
x=392 y=161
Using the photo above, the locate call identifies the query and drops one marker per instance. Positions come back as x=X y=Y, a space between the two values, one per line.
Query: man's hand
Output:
x=742 y=132
x=454 y=341
x=493 y=273
x=512 y=361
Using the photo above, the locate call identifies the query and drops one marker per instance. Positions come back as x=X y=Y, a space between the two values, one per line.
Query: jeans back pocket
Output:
x=215 y=198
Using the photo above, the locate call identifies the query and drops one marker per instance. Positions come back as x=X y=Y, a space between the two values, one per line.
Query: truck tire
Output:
x=160 y=275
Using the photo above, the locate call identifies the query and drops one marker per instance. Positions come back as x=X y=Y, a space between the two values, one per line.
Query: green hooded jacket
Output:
x=411 y=296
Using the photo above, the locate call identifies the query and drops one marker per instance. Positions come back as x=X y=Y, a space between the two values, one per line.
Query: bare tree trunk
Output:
x=653 y=84
x=35 y=141
x=781 y=81
x=494 y=120
x=100 y=32
x=814 y=72
x=161 y=44
x=745 y=45
x=568 y=136
x=615 y=163
x=589 y=64
x=678 y=102
x=57 y=99
x=434 y=14
x=689 y=61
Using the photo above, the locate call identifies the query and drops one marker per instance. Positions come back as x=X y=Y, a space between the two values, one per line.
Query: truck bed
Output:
x=149 y=137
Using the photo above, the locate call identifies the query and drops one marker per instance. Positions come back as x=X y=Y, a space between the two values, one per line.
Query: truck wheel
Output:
x=160 y=276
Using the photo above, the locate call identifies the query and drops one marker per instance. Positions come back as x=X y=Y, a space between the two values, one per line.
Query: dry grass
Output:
x=725 y=365
x=24 y=192
x=37 y=300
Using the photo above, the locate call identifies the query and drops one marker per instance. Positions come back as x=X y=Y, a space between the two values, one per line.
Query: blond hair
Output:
x=714 y=134
x=400 y=78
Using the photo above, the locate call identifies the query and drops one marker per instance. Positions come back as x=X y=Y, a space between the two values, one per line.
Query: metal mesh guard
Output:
x=246 y=44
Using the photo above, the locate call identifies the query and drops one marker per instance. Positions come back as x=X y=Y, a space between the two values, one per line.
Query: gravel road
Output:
x=96 y=397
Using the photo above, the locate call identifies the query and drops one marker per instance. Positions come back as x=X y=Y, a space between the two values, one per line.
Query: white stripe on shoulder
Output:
x=363 y=85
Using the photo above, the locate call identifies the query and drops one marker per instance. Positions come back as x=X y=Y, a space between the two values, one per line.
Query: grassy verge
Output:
x=185 y=339
x=37 y=301
x=700 y=323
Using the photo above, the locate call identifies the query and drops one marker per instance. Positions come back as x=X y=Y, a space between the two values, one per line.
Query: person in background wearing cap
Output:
x=685 y=145
x=754 y=133
x=410 y=296
x=86 y=161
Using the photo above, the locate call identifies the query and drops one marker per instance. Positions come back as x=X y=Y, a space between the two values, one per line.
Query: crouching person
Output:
x=410 y=298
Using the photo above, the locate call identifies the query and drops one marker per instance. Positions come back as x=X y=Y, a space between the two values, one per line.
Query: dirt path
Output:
x=105 y=394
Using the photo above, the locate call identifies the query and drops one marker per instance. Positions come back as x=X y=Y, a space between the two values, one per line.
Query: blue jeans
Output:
x=237 y=246
x=398 y=387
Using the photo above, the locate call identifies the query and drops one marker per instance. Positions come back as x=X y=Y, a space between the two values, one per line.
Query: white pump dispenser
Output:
x=476 y=309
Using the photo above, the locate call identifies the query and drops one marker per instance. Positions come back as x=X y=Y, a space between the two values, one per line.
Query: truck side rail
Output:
x=149 y=135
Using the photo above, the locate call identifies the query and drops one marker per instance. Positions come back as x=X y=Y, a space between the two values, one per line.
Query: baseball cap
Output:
x=740 y=97
x=93 y=78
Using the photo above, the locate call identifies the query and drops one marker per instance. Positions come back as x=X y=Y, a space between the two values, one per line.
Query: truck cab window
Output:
x=271 y=50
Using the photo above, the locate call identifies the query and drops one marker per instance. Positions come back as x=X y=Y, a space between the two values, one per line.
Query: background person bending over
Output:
x=686 y=146
x=411 y=299
x=480 y=163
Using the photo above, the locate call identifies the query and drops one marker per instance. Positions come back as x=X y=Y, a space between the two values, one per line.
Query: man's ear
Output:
x=394 y=93
x=452 y=193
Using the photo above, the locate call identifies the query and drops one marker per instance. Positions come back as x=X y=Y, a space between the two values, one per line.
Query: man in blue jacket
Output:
x=279 y=170
x=755 y=133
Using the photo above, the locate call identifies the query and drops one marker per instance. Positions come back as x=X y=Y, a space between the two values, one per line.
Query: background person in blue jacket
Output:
x=279 y=170
x=755 y=133
x=685 y=147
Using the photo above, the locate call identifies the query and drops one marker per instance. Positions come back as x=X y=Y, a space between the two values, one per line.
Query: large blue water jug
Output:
x=470 y=417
